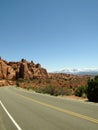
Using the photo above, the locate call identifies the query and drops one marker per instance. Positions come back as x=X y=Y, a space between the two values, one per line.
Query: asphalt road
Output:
x=24 y=110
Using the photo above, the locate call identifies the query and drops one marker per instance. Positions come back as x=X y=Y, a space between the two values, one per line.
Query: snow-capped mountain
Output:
x=79 y=71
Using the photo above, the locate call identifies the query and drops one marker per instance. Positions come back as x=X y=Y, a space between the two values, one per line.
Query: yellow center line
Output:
x=61 y=109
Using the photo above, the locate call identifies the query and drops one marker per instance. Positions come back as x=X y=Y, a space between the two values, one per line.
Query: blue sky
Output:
x=55 y=33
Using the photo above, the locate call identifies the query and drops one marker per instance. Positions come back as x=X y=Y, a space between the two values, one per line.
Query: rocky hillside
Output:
x=69 y=80
x=30 y=75
x=22 y=69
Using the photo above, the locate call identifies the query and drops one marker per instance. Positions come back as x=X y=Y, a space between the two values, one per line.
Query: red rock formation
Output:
x=3 y=69
x=6 y=71
x=30 y=70
x=22 y=69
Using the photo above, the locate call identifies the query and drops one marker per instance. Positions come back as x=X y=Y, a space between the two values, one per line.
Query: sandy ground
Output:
x=75 y=98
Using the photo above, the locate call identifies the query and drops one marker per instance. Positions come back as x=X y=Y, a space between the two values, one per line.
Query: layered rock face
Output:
x=6 y=71
x=22 y=69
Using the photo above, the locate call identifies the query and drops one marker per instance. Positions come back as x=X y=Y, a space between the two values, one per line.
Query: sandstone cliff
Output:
x=22 y=69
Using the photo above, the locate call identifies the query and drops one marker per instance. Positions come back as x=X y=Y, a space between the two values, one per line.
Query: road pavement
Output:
x=25 y=110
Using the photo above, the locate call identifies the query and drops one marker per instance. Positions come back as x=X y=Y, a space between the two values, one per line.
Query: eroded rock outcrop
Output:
x=6 y=71
x=22 y=69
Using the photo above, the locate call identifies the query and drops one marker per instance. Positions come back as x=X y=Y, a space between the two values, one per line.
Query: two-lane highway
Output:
x=24 y=110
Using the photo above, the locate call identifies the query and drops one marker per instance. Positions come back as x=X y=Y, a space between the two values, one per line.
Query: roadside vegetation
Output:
x=49 y=86
x=52 y=90
x=81 y=91
x=90 y=91
x=40 y=86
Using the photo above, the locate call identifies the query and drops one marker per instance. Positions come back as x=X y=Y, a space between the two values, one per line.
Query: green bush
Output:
x=80 y=91
x=39 y=89
x=59 y=91
x=29 y=88
x=92 y=89
x=52 y=90
x=62 y=91
x=20 y=80
x=49 y=89
x=17 y=84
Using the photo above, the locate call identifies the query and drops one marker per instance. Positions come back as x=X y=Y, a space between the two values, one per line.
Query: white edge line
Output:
x=15 y=123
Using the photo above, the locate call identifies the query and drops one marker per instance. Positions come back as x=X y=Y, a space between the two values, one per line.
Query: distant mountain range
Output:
x=85 y=71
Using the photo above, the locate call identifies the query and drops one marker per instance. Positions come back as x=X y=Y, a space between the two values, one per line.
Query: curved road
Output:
x=24 y=110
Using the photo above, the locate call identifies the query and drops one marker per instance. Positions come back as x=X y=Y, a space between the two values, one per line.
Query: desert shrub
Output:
x=29 y=88
x=49 y=89
x=39 y=90
x=62 y=91
x=17 y=84
x=20 y=80
x=59 y=91
x=68 y=92
x=52 y=90
x=80 y=91
x=92 y=89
